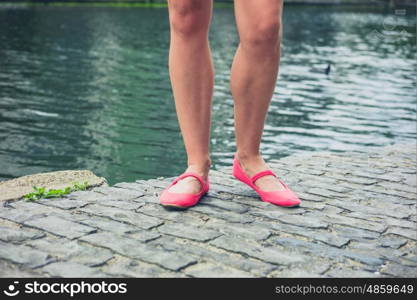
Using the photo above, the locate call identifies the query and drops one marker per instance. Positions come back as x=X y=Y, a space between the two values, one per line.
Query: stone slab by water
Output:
x=358 y=219
x=15 y=188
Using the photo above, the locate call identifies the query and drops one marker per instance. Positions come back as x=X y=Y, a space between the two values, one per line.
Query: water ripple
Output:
x=89 y=88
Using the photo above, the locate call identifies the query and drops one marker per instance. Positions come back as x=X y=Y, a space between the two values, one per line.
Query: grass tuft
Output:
x=42 y=193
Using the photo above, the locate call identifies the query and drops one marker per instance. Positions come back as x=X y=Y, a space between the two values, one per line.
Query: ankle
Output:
x=249 y=158
x=201 y=167
x=251 y=164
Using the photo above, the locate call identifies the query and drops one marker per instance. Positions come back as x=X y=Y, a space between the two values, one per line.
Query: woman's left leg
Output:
x=253 y=78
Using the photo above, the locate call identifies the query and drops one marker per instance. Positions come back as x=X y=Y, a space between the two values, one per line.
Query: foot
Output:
x=255 y=164
x=191 y=185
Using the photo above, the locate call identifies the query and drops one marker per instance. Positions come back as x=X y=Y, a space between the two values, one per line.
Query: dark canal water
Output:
x=88 y=88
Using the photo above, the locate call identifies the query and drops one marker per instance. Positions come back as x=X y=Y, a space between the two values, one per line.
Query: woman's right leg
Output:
x=192 y=80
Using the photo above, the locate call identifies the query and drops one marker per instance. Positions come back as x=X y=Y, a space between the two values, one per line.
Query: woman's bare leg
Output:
x=253 y=79
x=191 y=73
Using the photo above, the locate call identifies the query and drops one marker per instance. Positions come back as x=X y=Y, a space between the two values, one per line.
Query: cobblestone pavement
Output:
x=357 y=219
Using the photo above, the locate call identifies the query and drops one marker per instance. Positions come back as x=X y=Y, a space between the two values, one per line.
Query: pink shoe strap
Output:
x=262 y=174
x=190 y=174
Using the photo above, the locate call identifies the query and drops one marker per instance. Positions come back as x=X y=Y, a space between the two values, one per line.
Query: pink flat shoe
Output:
x=183 y=200
x=285 y=198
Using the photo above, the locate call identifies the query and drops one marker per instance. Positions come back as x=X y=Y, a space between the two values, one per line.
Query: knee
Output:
x=266 y=34
x=187 y=18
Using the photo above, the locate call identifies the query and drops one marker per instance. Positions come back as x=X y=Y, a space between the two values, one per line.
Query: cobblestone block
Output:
x=309 y=205
x=114 y=193
x=71 y=269
x=355 y=180
x=382 y=206
x=208 y=270
x=128 y=205
x=22 y=211
x=108 y=225
x=23 y=255
x=353 y=222
x=127 y=267
x=236 y=261
x=407 y=233
x=130 y=186
x=393 y=269
x=411 y=180
x=156 y=210
x=253 y=202
x=370 y=173
x=309 y=221
x=275 y=213
x=401 y=222
x=148 y=199
x=16 y=235
x=249 y=231
x=409 y=260
x=224 y=204
x=309 y=197
x=136 y=249
x=270 y=255
x=387 y=191
x=393 y=186
x=19 y=215
x=12 y=270
x=354 y=207
x=62 y=249
x=330 y=238
x=311 y=270
x=226 y=191
x=88 y=196
x=355 y=233
x=351 y=273
x=64 y=203
x=40 y=208
x=192 y=233
x=222 y=214
x=332 y=253
x=392 y=241
x=117 y=214
x=143 y=235
x=326 y=193
x=61 y=227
